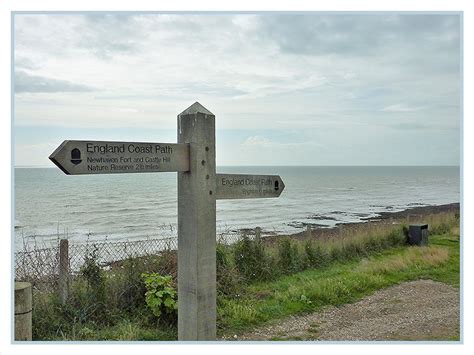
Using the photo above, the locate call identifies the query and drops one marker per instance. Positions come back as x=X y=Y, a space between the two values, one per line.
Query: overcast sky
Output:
x=286 y=89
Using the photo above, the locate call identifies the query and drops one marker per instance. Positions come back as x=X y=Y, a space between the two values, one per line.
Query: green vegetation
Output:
x=104 y=304
x=342 y=282
x=161 y=296
x=258 y=282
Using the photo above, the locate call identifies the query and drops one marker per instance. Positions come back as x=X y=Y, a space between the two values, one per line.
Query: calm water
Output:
x=129 y=206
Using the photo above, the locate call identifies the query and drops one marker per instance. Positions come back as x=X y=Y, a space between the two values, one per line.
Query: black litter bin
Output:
x=418 y=234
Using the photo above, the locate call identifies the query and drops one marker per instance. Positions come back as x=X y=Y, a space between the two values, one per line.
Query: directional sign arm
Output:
x=242 y=186
x=56 y=154
x=100 y=157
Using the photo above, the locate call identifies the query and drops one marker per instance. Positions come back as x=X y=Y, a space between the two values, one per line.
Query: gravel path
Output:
x=417 y=310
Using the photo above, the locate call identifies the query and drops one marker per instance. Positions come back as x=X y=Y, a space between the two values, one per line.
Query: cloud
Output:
x=31 y=154
x=25 y=63
x=257 y=141
x=400 y=108
x=427 y=127
x=25 y=82
x=361 y=35
x=263 y=142
x=126 y=110
x=317 y=35
x=410 y=126
x=107 y=35
x=339 y=77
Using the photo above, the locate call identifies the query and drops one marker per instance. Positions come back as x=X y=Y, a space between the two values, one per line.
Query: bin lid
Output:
x=419 y=225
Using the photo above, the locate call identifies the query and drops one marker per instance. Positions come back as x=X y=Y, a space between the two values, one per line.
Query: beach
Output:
x=407 y=216
x=49 y=204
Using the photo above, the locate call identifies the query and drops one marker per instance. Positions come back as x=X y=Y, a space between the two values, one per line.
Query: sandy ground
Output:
x=417 y=310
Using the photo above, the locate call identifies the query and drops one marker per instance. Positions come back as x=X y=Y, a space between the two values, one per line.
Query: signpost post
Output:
x=197 y=227
x=194 y=158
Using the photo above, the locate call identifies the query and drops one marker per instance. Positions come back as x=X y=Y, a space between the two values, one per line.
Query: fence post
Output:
x=197 y=227
x=63 y=270
x=309 y=231
x=23 y=310
x=258 y=233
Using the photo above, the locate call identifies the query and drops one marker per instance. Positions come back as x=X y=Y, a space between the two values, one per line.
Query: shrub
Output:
x=396 y=238
x=335 y=252
x=130 y=286
x=126 y=287
x=252 y=261
x=349 y=250
x=167 y=263
x=47 y=316
x=94 y=275
x=315 y=255
x=228 y=278
x=94 y=297
x=441 y=228
x=371 y=245
x=161 y=296
x=288 y=257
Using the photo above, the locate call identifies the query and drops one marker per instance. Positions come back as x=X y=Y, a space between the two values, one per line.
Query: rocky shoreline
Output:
x=413 y=213
x=418 y=211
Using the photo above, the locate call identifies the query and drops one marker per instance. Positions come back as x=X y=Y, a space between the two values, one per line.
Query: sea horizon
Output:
x=135 y=206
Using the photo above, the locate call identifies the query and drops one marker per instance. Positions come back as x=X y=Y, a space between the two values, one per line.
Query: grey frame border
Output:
x=138 y=342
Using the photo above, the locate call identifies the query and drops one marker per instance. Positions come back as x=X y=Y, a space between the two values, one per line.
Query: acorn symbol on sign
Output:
x=76 y=156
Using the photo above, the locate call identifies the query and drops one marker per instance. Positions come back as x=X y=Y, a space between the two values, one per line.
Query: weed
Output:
x=229 y=280
x=288 y=257
x=251 y=260
x=315 y=255
x=161 y=296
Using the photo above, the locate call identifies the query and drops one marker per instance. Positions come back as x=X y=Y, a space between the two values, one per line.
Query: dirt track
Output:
x=417 y=310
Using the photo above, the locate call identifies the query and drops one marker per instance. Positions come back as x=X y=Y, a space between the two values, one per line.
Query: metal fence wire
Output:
x=41 y=265
x=37 y=264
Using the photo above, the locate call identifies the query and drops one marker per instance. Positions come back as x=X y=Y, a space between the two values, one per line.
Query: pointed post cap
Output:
x=196 y=108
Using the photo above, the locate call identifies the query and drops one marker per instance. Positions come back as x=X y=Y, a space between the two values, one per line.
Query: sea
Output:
x=49 y=204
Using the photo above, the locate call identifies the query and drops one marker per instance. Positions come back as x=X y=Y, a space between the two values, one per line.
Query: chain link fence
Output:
x=41 y=264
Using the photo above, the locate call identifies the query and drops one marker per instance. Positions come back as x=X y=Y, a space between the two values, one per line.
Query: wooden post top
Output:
x=21 y=285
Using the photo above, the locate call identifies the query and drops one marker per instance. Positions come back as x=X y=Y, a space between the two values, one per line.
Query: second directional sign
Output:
x=238 y=186
x=101 y=157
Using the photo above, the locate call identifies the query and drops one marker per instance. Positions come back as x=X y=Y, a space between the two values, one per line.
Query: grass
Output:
x=257 y=282
x=126 y=330
x=343 y=282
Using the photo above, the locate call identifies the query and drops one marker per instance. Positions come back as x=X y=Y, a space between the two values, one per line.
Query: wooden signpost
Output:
x=194 y=158
x=239 y=186
x=96 y=157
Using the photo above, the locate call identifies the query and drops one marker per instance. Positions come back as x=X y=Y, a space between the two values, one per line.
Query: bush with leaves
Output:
x=316 y=256
x=288 y=257
x=228 y=278
x=396 y=238
x=94 y=299
x=161 y=296
x=252 y=261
